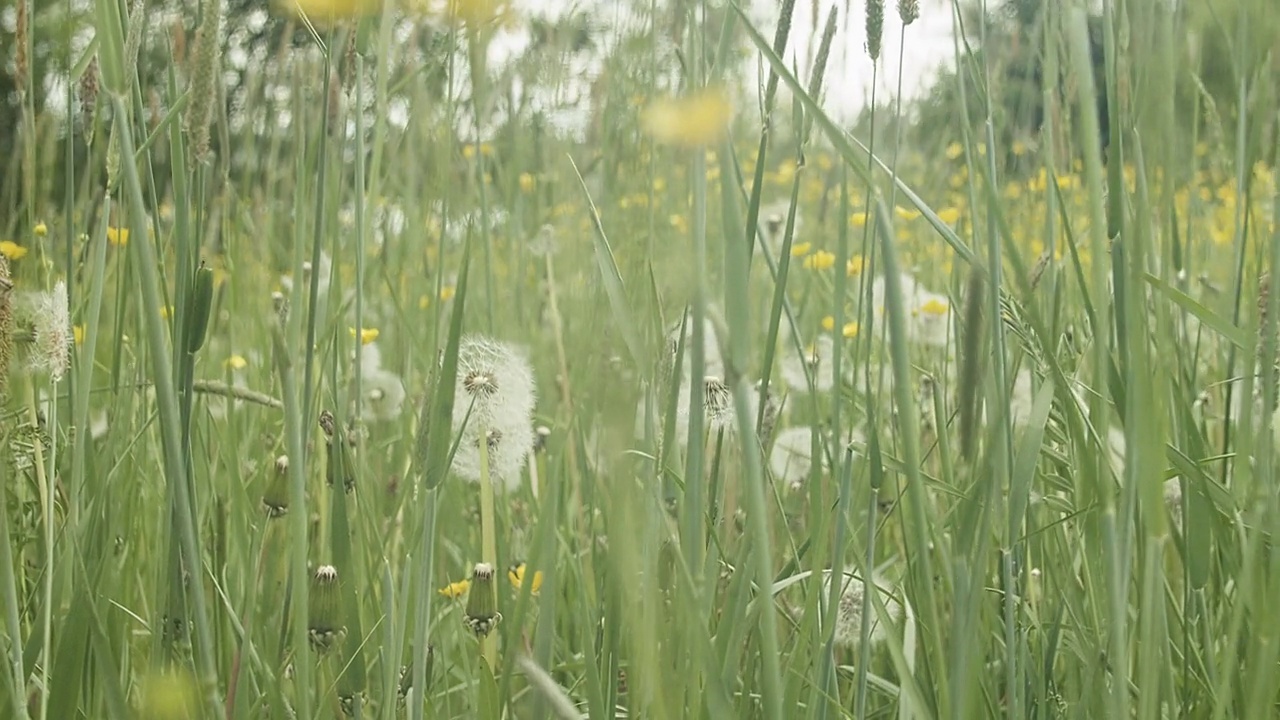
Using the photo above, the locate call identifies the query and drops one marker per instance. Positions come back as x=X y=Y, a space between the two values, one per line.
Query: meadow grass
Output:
x=341 y=416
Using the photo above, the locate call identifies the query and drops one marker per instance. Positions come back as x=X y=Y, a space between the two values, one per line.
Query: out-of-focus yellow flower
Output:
x=828 y=323
x=237 y=362
x=527 y=182
x=166 y=312
x=327 y=12
x=424 y=302
x=169 y=695
x=1019 y=148
x=516 y=575
x=906 y=213
x=679 y=222
x=118 y=236
x=12 y=250
x=695 y=120
x=858 y=219
x=801 y=249
x=447 y=292
x=455 y=589
x=850 y=330
x=77 y=331
x=367 y=335
x=949 y=215
x=820 y=260
x=659 y=184
x=954 y=150
x=40 y=229
x=934 y=306
x=854 y=266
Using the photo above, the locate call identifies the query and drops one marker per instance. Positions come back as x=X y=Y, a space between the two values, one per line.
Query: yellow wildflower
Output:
x=698 y=119
x=934 y=306
x=679 y=222
x=858 y=219
x=455 y=589
x=659 y=184
x=906 y=213
x=828 y=323
x=12 y=250
x=850 y=330
x=447 y=292
x=41 y=229
x=424 y=302
x=527 y=182
x=854 y=266
x=1019 y=148
x=954 y=150
x=516 y=575
x=166 y=312
x=949 y=215
x=367 y=335
x=237 y=362
x=78 y=332
x=820 y=260
x=118 y=236
x=801 y=249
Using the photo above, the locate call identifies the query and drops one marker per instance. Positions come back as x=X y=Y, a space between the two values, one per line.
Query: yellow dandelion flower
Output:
x=949 y=215
x=906 y=213
x=854 y=266
x=934 y=306
x=40 y=229
x=828 y=323
x=166 y=312
x=237 y=362
x=118 y=236
x=850 y=330
x=12 y=250
x=77 y=331
x=424 y=302
x=1019 y=148
x=659 y=184
x=447 y=292
x=820 y=260
x=527 y=182
x=367 y=335
x=455 y=589
x=679 y=222
x=858 y=219
x=516 y=575
x=954 y=150
x=801 y=249
x=695 y=120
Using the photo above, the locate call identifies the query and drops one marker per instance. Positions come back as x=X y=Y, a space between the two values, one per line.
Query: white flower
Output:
x=817 y=359
x=493 y=400
x=792 y=456
x=848 y=621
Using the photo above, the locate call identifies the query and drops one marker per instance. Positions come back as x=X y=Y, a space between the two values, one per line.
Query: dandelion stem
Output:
x=488 y=542
x=46 y=502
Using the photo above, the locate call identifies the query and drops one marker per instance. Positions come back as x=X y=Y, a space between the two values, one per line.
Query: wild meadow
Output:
x=479 y=359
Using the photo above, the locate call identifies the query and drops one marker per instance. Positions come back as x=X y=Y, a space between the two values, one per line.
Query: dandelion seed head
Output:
x=791 y=458
x=494 y=398
x=848 y=623
x=384 y=396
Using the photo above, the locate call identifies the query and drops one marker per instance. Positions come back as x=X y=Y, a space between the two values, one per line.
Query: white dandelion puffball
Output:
x=791 y=458
x=384 y=396
x=930 y=320
x=49 y=319
x=493 y=402
x=848 y=622
x=816 y=359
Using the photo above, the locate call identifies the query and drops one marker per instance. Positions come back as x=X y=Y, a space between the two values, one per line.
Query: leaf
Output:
x=1212 y=320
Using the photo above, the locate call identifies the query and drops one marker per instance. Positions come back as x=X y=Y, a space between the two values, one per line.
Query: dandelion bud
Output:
x=204 y=79
x=540 y=436
x=875 y=27
x=482 y=614
x=909 y=11
x=199 y=306
x=324 y=612
x=276 y=497
x=89 y=87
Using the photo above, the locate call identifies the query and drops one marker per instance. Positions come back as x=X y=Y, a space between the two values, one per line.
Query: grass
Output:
x=1026 y=403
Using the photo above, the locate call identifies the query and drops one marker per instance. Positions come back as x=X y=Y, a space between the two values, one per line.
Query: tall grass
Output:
x=1037 y=381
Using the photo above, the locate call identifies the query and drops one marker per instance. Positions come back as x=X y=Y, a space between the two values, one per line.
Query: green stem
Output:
x=488 y=542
